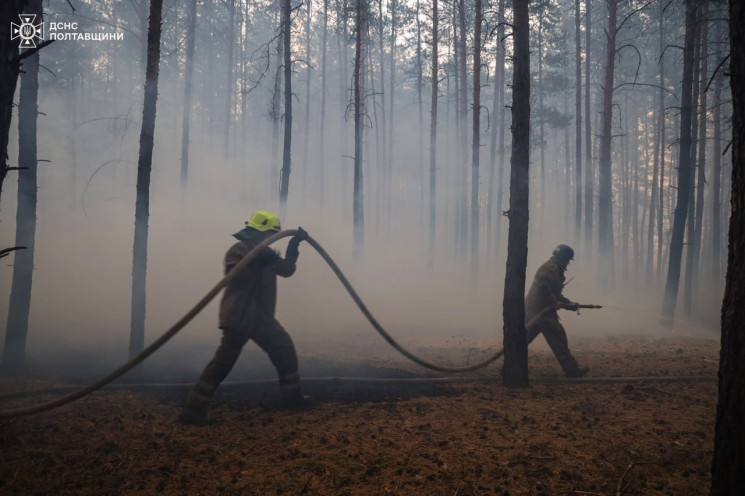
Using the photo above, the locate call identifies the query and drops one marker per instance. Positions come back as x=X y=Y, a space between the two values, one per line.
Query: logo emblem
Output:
x=28 y=30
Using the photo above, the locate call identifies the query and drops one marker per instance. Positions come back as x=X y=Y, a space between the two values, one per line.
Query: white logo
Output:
x=28 y=30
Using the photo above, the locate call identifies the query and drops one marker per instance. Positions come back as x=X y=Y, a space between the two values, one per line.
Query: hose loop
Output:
x=181 y=323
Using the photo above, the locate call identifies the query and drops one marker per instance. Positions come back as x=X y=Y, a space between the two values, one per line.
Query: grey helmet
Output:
x=564 y=252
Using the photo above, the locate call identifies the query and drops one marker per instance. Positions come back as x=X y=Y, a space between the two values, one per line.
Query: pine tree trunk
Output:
x=284 y=184
x=23 y=267
x=661 y=144
x=229 y=79
x=684 y=169
x=541 y=136
x=589 y=174
x=496 y=126
x=308 y=72
x=605 y=192
x=515 y=341
x=188 y=73
x=391 y=87
x=701 y=165
x=433 y=136
x=322 y=139
x=501 y=113
x=144 y=167
x=729 y=437
x=419 y=98
x=462 y=166
x=475 y=155
x=716 y=173
x=578 y=121
x=275 y=109
x=382 y=151
x=357 y=202
x=9 y=70
x=691 y=226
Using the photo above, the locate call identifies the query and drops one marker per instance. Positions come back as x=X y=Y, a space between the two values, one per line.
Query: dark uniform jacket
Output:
x=546 y=290
x=251 y=297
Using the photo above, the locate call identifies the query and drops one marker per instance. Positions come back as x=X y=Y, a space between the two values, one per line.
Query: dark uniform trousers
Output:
x=272 y=338
x=556 y=337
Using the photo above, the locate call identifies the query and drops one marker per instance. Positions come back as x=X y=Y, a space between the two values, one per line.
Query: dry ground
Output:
x=571 y=438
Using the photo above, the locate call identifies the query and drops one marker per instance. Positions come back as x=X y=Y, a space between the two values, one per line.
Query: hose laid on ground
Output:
x=18 y=412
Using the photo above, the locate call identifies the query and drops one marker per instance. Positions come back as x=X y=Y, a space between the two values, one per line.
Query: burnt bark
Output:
x=23 y=266
x=9 y=70
x=729 y=438
x=144 y=168
x=684 y=170
x=515 y=339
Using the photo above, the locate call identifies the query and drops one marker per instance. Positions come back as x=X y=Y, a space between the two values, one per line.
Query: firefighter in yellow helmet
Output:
x=247 y=312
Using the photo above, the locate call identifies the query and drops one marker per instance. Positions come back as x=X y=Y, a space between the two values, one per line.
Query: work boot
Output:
x=193 y=417
x=578 y=372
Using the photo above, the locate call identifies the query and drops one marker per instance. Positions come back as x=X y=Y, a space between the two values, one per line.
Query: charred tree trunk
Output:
x=605 y=191
x=476 y=143
x=357 y=202
x=144 y=167
x=9 y=70
x=188 y=72
x=284 y=184
x=23 y=266
x=515 y=340
x=729 y=437
x=433 y=135
x=684 y=170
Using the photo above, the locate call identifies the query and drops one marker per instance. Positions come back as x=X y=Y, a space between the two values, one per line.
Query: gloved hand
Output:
x=292 y=246
x=301 y=235
x=572 y=306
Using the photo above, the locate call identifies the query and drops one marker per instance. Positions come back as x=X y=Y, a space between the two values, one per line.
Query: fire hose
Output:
x=194 y=311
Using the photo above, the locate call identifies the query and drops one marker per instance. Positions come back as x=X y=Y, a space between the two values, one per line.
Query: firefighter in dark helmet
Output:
x=247 y=312
x=541 y=304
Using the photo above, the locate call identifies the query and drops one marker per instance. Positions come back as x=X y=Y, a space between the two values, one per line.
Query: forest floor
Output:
x=567 y=437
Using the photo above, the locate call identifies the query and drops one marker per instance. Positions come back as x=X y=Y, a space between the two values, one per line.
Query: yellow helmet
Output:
x=264 y=220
